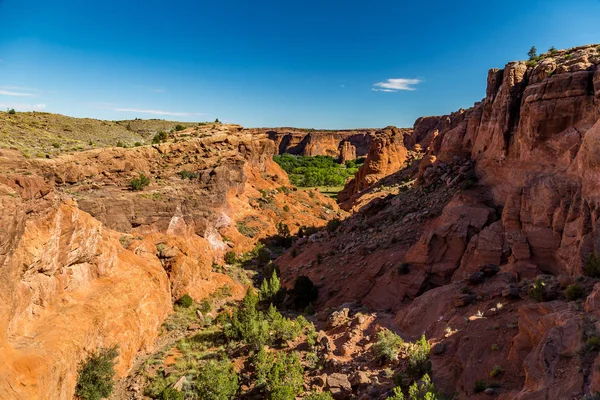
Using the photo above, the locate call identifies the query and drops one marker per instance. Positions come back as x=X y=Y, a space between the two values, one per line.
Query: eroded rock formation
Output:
x=86 y=262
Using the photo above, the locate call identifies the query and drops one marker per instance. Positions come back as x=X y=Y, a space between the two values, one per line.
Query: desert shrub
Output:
x=205 y=306
x=169 y=393
x=536 y=292
x=230 y=257
x=286 y=208
x=137 y=144
x=284 y=237
x=217 y=380
x=185 y=174
x=387 y=346
x=497 y=370
x=120 y=144
x=56 y=145
x=179 y=127
x=247 y=323
x=95 y=380
x=11 y=111
x=304 y=292
x=139 y=183
x=263 y=255
x=160 y=137
x=419 y=390
x=531 y=63
x=593 y=343
x=495 y=347
x=592 y=266
x=418 y=358
x=333 y=224
x=480 y=386
x=574 y=292
x=552 y=50
x=280 y=376
x=185 y=301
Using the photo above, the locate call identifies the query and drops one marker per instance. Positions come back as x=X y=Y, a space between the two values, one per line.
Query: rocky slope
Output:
x=343 y=145
x=452 y=243
x=86 y=262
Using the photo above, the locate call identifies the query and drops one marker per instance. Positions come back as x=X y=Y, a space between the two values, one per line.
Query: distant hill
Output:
x=37 y=134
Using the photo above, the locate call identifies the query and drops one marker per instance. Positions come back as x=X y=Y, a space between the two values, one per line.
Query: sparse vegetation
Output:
x=11 y=111
x=592 y=266
x=230 y=257
x=185 y=301
x=333 y=224
x=139 y=183
x=418 y=358
x=95 y=380
x=160 y=137
x=536 y=292
x=185 y=174
x=217 y=380
x=574 y=292
x=387 y=345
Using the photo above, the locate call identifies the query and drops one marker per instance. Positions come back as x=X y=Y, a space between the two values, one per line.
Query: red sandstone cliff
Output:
x=507 y=191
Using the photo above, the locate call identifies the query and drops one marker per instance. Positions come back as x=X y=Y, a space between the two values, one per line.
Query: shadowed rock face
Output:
x=511 y=181
x=342 y=145
x=85 y=262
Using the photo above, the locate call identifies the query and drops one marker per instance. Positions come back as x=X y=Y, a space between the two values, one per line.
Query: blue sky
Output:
x=271 y=63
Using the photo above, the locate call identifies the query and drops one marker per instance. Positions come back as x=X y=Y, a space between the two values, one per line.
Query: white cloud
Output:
x=158 y=112
x=16 y=94
x=23 y=107
x=396 y=84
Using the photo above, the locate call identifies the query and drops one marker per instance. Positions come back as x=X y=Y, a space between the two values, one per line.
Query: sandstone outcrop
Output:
x=386 y=155
x=342 y=145
x=86 y=262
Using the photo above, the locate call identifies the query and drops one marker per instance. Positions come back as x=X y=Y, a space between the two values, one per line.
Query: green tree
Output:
x=532 y=53
x=217 y=380
x=281 y=376
x=96 y=373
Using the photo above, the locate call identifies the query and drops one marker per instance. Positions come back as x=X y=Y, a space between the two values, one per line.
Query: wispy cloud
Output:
x=23 y=107
x=16 y=94
x=18 y=91
x=396 y=84
x=158 y=112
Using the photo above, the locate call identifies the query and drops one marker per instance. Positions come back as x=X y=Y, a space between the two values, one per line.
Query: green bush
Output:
x=419 y=390
x=333 y=224
x=592 y=266
x=574 y=292
x=536 y=292
x=185 y=301
x=387 y=346
x=56 y=145
x=230 y=257
x=170 y=393
x=480 y=386
x=11 y=111
x=185 y=174
x=217 y=380
x=160 y=137
x=280 y=376
x=418 y=358
x=139 y=183
x=593 y=343
x=286 y=208
x=179 y=127
x=95 y=380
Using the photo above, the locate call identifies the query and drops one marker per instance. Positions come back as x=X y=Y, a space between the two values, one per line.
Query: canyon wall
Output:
x=451 y=243
x=342 y=145
x=86 y=262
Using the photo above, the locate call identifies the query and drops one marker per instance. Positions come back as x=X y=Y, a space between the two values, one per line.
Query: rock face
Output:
x=507 y=191
x=86 y=262
x=341 y=145
x=387 y=154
